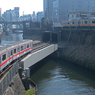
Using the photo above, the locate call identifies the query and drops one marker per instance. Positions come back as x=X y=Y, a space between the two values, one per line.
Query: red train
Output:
x=12 y=51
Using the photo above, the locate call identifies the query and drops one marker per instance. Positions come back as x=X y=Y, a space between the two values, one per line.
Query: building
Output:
x=48 y=9
x=39 y=16
x=11 y=15
x=55 y=11
x=81 y=16
x=63 y=7
x=25 y=18
x=0 y=11
x=34 y=18
x=68 y=6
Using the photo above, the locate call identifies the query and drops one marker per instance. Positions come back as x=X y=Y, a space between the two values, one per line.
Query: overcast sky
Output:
x=28 y=6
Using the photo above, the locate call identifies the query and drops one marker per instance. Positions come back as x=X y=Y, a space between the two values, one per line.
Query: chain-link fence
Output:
x=4 y=83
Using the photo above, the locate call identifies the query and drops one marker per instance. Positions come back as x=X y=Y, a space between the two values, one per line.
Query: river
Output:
x=57 y=77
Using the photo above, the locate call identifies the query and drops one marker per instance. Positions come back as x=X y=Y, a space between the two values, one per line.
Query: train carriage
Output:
x=10 y=52
x=81 y=22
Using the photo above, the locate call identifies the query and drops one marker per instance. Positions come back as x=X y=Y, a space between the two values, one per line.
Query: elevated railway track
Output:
x=37 y=45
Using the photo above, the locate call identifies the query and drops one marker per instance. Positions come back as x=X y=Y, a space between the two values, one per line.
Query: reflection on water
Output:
x=57 y=77
x=12 y=38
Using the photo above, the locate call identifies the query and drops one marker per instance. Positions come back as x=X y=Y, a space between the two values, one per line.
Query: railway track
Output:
x=4 y=72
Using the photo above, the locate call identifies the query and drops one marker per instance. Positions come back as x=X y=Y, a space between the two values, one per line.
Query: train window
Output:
x=72 y=22
x=85 y=22
x=21 y=48
x=3 y=57
x=14 y=51
x=11 y=52
x=93 y=21
x=28 y=46
x=78 y=22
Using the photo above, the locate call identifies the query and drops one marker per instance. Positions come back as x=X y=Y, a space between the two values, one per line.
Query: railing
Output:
x=4 y=83
x=39 y=46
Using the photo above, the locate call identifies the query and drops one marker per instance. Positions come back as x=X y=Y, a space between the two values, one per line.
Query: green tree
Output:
x=46 y=25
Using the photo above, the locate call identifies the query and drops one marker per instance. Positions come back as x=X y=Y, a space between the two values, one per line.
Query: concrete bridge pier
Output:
x=27 y=72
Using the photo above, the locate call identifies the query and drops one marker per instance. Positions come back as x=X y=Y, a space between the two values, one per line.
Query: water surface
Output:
x=58 y=77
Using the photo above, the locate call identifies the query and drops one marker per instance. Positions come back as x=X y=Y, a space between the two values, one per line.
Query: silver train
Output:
x=10 y=52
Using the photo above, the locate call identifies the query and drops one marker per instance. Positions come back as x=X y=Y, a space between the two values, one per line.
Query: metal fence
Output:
x=4 y=83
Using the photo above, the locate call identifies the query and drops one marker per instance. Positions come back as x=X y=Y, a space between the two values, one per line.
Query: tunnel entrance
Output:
x=46 y=37
x=54 y=37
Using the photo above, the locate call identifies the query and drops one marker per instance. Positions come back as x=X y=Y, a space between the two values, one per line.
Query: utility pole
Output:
x=76 y=19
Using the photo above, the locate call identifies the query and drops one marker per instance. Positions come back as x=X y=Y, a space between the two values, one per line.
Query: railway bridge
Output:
x=39 y=52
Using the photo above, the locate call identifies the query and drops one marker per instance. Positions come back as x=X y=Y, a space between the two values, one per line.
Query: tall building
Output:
x=0 y=11
x=25 y=18
x=11 y=15
x=48 y=9
x=58 y=10
x=34 y=16
x=55 y=11
x=68 y=6
x=39 y=16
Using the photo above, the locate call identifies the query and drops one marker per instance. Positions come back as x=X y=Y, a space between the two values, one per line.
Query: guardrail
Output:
x=39 y=46
x=4 y=83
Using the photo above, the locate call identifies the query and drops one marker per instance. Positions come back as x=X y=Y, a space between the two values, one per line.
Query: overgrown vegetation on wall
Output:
x=30 y=92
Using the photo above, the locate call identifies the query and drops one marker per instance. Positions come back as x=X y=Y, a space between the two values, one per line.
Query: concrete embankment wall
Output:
x=37 y=56
x=16 y=87
x=84 y=37
x=79 y=47
x=34 y=34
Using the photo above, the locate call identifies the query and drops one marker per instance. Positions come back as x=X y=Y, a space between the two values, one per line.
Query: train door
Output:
x=30 y=46
x=18 y=52
x=14 y=53
x=21 y=50
x=3 y=63
x=27 y=48
x=24 y=49
x=8 y=57
x=0 y=64
x=11 y=55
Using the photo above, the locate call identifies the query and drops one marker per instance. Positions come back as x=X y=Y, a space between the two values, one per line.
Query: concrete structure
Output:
x=48 y=9
x=34 y=18
x=64 y=7
x=11 y=15
x=55 y=11
x=35 y=57
x=6 y=80
x=0 y=11
x=81 y=15
x=25 y=18
x=30 y=60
